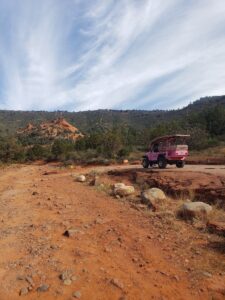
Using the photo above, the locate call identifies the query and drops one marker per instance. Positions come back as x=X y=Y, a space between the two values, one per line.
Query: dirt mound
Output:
x=58 y=128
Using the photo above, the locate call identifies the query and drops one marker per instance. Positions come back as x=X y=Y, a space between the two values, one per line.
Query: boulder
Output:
x=125 y=161
x=194 y=210
x=80 y=178
x=123 y=190
x=153 y=197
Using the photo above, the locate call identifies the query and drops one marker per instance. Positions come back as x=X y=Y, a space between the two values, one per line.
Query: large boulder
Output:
x=195 y=210
x=123 y=190
x=153 y=197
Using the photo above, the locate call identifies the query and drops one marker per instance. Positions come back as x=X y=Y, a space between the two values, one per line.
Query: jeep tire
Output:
x=180 y=163
x=145 y=162
x=162 y=162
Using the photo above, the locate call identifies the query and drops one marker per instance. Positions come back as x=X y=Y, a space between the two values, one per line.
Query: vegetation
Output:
x=11 y=150
x=114 y=138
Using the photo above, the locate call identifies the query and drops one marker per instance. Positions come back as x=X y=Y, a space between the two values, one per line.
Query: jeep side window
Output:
x=155 y=148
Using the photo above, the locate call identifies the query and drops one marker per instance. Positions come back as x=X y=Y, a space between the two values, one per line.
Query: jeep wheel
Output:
x=162 y=162
x=145 y=162
x=180 y=164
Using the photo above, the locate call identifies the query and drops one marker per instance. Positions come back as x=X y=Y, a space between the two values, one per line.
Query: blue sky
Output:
x=121 y=54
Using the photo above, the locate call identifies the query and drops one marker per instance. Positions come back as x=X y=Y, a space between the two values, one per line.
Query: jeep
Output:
x=170 y=149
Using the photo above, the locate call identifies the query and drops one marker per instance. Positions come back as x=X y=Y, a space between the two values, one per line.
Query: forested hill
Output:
x=10 y=121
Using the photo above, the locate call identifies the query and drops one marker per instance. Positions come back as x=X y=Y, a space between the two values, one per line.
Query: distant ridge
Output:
x=11 y=121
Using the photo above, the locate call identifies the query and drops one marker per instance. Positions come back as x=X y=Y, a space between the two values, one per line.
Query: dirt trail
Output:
x=116 y=253
x=209 y=169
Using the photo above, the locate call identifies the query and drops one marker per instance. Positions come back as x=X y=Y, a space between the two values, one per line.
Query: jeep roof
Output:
x=167 y=137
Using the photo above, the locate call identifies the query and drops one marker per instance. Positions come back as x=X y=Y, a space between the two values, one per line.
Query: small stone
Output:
x=65 y=275
x=117 y=283
x=43 y=288
x=86 y=226
x=24 y=291
x=98 y=221
x=67 y=282
x=107 y=249
x=71 y=232
x=34 y=193
x=207 y=274
x=30 y=280
x=84 y=270
x=176 y=278
x=74 y=278
x=77 y=294
x=54 y=247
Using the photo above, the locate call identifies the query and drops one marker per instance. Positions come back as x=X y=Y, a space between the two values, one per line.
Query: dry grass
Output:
x=214 y=152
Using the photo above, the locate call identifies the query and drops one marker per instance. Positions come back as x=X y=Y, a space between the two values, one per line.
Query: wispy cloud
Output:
x=80 y=55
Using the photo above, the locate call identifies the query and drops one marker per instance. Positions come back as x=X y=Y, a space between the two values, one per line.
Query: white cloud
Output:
x=80 y=55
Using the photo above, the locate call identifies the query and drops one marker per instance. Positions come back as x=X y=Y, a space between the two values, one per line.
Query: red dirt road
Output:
x=117 y=252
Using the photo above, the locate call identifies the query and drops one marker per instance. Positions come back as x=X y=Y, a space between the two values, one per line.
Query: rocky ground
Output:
x=64 y=239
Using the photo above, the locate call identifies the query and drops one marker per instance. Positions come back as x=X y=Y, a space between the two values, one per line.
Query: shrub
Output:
x=124 y=152
x=11 y=151
x=38 y=152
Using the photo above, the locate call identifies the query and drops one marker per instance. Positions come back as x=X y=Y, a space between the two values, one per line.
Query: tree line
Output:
x=207 y=129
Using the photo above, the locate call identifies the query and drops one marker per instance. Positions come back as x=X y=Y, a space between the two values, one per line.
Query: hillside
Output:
x=11 y=121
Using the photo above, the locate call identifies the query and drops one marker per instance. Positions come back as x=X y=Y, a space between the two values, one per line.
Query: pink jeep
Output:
x=170 y=149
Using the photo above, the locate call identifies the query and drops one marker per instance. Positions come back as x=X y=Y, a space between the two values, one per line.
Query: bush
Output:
x=11 y=151
x=124 y=152
x=38 y=152
x=61 y=148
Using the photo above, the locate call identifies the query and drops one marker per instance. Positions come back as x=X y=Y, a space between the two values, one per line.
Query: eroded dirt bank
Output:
x=207 y=185
x=117 y=252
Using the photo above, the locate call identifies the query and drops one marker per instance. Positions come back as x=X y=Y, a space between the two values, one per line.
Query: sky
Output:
x=110 y=54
